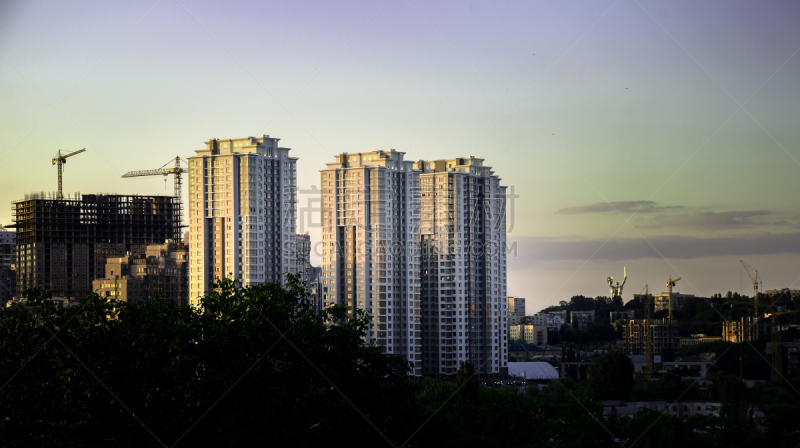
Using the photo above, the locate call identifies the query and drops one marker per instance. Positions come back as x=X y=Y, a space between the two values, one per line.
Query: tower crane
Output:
x=756 y=282
x=177 y=171
x=670 y=284
x=61 y=159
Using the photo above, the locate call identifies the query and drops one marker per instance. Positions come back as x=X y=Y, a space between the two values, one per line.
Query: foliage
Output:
x=611 y=376
x=254 y=365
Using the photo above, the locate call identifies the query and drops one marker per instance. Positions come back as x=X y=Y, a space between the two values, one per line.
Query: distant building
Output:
x=697 y=339
x=582 y=320
x=8 y=273
x=530 y=334
x=524 y=351
x=315 y=287
x=8 y=248
x=791 y=292
x=747 y=329
x=515 y=307
x=302 y=253
x=678 y=409
x=160 y=271
x=621 y=316
x=662 y=301
x=664 y=334
x=554 y=319
x=63 y=244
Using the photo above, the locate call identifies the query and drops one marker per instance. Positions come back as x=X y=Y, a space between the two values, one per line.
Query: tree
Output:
x=254 y=365
x=466 y=383
x=611 y=376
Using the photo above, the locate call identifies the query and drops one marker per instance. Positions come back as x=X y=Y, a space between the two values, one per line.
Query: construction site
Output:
x=653 y=337
x=63 y=243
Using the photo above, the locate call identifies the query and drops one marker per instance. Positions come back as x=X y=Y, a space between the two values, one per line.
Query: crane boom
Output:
x=177 y=171
x=163 y=171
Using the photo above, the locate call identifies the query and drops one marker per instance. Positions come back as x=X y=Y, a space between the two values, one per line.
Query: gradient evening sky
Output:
x=661 y=136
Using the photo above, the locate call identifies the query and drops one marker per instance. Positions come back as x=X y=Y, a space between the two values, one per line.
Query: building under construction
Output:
x=62 y=244
x=746 y=329
x=664 y=333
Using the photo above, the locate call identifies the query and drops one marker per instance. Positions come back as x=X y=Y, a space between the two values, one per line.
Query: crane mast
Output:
x=670 y=284
x=60 y=160
x=756 y=282
x=648 y=335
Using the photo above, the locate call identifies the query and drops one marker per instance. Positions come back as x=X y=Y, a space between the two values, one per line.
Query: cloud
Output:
x=530 y=251
x=617 y=206
x=710 y=220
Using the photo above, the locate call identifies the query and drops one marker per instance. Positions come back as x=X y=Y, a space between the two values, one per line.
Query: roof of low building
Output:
x=533 y=370
x=524 y=348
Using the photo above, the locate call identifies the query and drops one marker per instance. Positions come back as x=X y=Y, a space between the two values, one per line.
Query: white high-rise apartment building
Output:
x=242 y=209
x=463 y=236
x=370 y=221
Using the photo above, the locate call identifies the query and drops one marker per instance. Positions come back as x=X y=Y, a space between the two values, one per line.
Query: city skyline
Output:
x=655 y=137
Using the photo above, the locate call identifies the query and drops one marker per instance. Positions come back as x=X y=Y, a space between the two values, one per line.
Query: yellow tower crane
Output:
x=60 y=160
x=176 y=170
x=756 y=282
x=670 y=284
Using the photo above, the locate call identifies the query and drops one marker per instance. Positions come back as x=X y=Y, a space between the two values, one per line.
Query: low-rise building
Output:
x=529 y=333
x=554 y=319
x=696 y=339
x=160 y=271
x=679 y=409
x=524 y=351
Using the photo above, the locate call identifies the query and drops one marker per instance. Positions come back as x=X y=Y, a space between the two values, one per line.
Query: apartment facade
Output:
x=535 y=334
x=463 y=238
x=370 y=236
x=242 y=210
x=160 y=271
x=554 y=319
x=8 y=273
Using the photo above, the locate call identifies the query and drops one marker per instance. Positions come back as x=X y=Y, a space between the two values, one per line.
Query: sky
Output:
x=657 y=137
